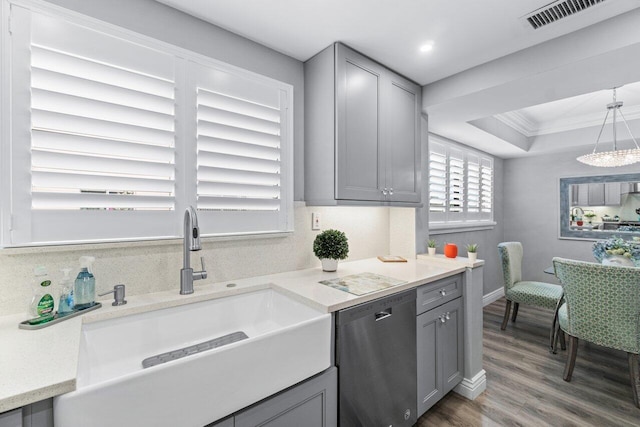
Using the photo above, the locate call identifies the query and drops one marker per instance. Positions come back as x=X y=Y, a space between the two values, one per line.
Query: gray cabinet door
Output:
x=312 y=403
x=596 y=194
x=612 y=193
x=429 y=381
x=450 y=345
x=358 y=132
x=440 y=352
x=401 y=125
x=583 y=195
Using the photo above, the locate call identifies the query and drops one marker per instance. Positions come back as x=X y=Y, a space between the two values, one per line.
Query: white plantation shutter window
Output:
x=486 y=170
x=473 y=186
x=456 y=178
x=437 y=181
x=243 y=140
x=460 y=184
x=112 y=135
x=94 y=139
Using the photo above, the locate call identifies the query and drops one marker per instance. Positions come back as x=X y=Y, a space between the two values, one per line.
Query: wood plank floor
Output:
x=525 y=386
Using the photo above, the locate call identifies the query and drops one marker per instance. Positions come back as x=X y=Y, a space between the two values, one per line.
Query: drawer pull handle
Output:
x=447 y=316
x=442 y=319
x=383 y=315
x=443 y=292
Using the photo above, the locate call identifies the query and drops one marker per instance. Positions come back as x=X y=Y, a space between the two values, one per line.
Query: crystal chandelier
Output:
x=616 y=157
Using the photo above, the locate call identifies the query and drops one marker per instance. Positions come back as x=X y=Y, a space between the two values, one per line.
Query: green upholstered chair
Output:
x=603 y=307
x=520 y=291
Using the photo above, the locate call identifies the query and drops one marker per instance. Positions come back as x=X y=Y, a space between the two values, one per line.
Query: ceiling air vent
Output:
x=557 y=10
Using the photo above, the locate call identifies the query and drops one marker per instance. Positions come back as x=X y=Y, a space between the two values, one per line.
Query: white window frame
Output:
x=447 y=219
x=12 y=223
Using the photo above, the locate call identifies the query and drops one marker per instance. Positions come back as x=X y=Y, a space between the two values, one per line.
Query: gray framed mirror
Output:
x=598 y=207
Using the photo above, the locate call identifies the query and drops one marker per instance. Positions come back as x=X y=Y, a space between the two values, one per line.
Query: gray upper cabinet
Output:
x=612 y=193
x=362 y=130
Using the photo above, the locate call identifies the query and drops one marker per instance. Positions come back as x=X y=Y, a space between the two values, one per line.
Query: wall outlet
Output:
x=315 y=221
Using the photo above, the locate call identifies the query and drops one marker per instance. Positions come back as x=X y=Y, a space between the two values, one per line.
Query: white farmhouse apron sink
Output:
x=287 y=343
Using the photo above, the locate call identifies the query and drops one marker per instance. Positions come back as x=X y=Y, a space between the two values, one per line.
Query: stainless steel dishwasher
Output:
x=376 y=358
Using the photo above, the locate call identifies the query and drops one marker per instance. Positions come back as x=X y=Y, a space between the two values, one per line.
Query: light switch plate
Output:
x=315 y=221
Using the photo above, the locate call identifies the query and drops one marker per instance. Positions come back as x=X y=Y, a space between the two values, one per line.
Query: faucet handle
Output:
x=198 y=275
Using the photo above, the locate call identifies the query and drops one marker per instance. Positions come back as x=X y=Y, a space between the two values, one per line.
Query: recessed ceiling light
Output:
x=427 y=47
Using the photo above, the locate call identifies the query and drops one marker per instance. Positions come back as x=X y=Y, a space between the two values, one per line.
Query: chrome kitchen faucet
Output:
x=191 y=243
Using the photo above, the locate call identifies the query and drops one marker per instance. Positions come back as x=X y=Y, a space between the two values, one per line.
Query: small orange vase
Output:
x=450 y=250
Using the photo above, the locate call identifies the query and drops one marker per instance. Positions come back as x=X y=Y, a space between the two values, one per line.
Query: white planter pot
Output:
x=473 y=256
x=329 y=264
x=618 y=260
x=432 y=251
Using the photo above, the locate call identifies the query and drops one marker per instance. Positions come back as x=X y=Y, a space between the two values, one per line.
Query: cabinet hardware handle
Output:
x=443 y=292
x=447 y=316
x=391 y=191
x=384 y=191
x=382 y=315
x=442 y=319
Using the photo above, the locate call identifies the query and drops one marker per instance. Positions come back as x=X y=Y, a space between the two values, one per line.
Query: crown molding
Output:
x=520 y=123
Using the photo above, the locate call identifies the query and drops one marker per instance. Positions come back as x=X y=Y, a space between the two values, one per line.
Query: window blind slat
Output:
x=237 y=105
x=62 y=201
x=76 y=106
x=232 y=133
x=229 y=118
x=83 y=67
x=72 y=182
x=224 y=146
x=64 y=83
x=238 y=162
x=212 y=174
x=53 y=141
x=64 y=123
x=45 y=160
x=238 y=204
x=220 y=189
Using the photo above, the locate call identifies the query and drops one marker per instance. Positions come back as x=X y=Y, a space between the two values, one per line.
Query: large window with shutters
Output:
x=460 y=184
x=109 y=136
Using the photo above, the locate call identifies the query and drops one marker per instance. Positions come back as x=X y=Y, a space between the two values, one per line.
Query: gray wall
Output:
x=161 y=22
x=486 y=239
x=531 y=206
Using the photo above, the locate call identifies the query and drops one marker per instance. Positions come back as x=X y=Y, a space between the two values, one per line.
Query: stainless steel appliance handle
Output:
x=381 y=315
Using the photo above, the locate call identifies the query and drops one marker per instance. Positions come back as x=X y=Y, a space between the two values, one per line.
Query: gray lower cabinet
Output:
x=440 y=352
x=38 y=414
x=312 y=403
x=362 y=132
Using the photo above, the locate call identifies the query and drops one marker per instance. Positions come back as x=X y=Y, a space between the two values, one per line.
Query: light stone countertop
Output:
x=38 y=364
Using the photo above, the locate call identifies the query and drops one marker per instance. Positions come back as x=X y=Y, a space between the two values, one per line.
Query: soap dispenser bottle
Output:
x=65 y=305
x=42 y=303
x=84 y=291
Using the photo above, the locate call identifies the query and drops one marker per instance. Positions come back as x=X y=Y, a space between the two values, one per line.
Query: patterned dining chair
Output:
x=602 y=306
x=518 y=291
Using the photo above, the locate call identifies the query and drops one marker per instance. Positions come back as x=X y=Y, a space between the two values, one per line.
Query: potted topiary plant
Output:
x=431 y=246
x=331 y=246
x=472 y=252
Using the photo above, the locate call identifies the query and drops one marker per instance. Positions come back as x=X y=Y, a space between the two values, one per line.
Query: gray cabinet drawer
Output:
x=434 y=294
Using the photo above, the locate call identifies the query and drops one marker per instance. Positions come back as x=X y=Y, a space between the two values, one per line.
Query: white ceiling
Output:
x=490 y=77
x=465 y=33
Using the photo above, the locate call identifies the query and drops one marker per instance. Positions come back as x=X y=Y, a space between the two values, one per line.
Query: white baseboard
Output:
x=492 y=296
x=472 y=388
